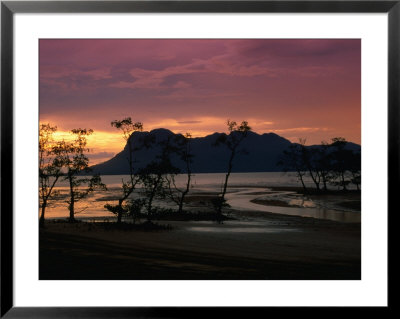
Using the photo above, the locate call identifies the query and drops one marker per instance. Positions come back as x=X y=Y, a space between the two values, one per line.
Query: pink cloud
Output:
x=181 y=85
x=223 y=64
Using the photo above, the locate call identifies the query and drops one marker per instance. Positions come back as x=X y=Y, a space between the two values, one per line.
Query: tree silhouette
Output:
x=322 y=164
x=50 y=167
x=355 y=169
x=134 y=208
x=237 y=133
x=72 y=155
x=310 y=160
x=154 y=176
x=326 y=163
x=128 y=127
x=292 y=160
x=185 y=153
x=340 y=159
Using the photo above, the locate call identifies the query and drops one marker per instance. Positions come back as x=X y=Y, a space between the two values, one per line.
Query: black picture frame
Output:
x=9 y=8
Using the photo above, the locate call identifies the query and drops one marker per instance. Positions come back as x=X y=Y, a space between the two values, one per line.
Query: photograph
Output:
x=199 y=159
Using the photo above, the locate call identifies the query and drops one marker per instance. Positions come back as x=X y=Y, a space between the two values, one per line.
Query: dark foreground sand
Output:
x=255 y=246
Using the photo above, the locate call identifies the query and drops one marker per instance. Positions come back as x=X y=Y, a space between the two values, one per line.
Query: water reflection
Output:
x=306 y=207
x=320 y=213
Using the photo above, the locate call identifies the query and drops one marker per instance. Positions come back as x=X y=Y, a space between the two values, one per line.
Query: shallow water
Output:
x=242 y=201
x=242 y=188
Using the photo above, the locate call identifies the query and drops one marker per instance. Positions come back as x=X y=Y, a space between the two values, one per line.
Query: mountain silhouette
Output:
x=261 y=153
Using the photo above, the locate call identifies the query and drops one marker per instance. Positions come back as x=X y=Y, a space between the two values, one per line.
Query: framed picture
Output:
x=196 y=154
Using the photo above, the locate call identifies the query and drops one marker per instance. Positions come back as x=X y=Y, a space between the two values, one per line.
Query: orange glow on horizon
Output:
x=104 y=145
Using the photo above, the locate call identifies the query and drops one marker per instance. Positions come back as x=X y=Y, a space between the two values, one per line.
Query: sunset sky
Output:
x=295 y=88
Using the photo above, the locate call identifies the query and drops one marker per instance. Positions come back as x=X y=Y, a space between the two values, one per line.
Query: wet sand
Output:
x=257 y=245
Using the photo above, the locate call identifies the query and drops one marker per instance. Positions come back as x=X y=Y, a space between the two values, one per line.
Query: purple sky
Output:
x=295 y=88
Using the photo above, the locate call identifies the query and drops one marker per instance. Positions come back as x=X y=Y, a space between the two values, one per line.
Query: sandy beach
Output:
x=254 y=245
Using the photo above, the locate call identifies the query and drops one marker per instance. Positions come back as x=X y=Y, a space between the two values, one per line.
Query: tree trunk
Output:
x=302 y=182
x=314 y=179
x=72 y=210
x=72 y=203
x=219 y=210
x=180 y=209
x=343 y=183
x=226 y=182
x=152 y=194
x=41 y=221
x=324 y=183
x=119 y=216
